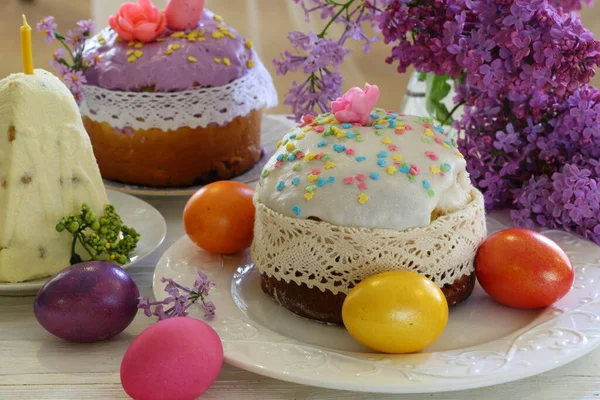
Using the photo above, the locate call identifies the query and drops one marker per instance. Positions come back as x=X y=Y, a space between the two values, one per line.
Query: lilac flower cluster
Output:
x=530 y=122
x=180 y=299
x=571 y=5
x=320 y=57
x=70 y=70
x=531 y=125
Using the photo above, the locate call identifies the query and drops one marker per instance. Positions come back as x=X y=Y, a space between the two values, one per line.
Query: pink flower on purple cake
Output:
x=140 y=21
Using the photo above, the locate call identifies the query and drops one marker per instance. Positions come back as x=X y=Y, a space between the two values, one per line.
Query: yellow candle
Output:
x=26 y=47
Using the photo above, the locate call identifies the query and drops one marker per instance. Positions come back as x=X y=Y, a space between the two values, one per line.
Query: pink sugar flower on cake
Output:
x=183 y=14
x=138 y=21
x=356 y=105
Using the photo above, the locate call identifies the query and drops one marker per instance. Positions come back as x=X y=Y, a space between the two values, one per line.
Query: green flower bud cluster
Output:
x=104 y=238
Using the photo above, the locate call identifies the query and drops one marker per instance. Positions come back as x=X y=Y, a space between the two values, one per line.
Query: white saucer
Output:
x=136 y=213
x=484 y=343
x=273 y=129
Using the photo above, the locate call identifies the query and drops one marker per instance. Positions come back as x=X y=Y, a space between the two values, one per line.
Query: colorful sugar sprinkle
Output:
x=350 y=135
x=361 y=158
x=382 y=154
x=362 y=186
x=363 y=198
x=361 y=177
x=280 y=185
x=316 y=171
x=426 y=184
x=346 y=125
x=431 y=192
x=381 y=162
x=374 y=176
x=296 y=210
x=329 y=165
x=339 y=148
x=295 y=181
x=322 y=143
x=331 y=179
x=321 y=182
x=350 y=151
x=349 y=180
x=432 y=155
x=309 y=195
x=391 y=170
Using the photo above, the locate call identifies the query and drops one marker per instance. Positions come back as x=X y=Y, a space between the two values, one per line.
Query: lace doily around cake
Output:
x=192 y=108
x=335 y=258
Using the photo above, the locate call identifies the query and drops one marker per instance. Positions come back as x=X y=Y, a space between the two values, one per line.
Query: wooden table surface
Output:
x=35 y=365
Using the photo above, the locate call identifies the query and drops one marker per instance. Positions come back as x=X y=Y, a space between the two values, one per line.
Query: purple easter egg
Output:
x=87 y=302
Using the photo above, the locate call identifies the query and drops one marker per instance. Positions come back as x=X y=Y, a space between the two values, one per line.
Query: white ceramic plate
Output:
x=136 y=213
x=273 y=129
x=484 y=343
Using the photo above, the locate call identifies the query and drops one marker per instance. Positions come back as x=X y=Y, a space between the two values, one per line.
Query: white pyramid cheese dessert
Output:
x=47 y=171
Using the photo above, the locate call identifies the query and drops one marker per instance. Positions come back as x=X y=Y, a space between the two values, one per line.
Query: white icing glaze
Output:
x=47 y=170
x=394 y=202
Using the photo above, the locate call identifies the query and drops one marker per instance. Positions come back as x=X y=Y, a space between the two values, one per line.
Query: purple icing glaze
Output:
x=174 y=72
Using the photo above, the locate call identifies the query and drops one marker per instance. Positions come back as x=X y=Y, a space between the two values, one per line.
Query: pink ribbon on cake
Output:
x=356 y=105
x=140 y=21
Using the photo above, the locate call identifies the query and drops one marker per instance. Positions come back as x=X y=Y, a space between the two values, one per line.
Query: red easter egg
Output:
x=177 y=358
x=521 y=268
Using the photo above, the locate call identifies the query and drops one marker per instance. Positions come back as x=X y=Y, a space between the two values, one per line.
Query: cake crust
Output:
x=178 y=158
x=327 y=307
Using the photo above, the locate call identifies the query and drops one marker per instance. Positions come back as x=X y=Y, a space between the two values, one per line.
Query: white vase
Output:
x=415 y=102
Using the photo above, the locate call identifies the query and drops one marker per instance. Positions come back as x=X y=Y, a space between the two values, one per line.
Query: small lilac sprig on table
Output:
x=180 y=299
x=70 y=69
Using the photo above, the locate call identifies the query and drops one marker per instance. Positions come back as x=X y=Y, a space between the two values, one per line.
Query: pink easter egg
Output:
x=183 y=14
x=177 y=358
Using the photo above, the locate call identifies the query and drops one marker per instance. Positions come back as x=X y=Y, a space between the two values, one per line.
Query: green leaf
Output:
x=437 y=88
x=422 y=76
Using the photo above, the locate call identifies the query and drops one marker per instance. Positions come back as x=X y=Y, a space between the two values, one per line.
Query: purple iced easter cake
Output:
x=171 y=107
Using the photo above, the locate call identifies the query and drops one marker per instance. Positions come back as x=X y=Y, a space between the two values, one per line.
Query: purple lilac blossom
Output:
x=320 y=56
x=531 y=125
x=180 y=299
x=47 y=26
x=70 y=69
